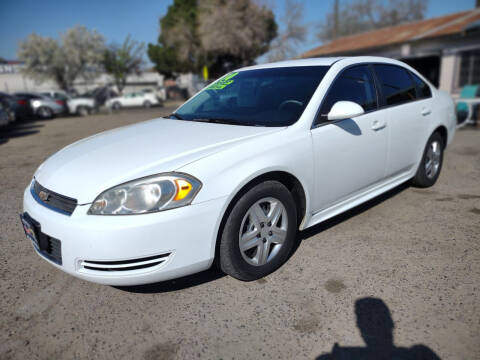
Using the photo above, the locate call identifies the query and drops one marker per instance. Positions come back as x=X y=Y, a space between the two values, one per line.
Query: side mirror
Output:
x=344 y=110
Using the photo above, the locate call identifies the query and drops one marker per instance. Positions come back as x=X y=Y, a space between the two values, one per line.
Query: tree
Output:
x=234 y=33
x=217 y=33
x=78 y=53
x=363 y=15
x=285 y=44
x=178 y=44
x=120 y=61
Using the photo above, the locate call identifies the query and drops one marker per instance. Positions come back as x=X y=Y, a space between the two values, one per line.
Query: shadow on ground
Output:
x=376 y=325
x=18 y=129
x=327 y=224
x=177 y=284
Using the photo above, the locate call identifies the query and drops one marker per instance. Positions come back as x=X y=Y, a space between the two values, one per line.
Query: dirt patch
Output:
x=309 y=325
x=468 y=196
x=475 y=211
x=163 y=351
x=335 y=286
x=448 y=198
x=468 y=151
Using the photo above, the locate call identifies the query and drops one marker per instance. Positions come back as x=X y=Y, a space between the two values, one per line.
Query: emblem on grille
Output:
x=43 y=195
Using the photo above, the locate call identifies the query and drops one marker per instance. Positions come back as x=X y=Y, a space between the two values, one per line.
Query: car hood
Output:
x=87 y=167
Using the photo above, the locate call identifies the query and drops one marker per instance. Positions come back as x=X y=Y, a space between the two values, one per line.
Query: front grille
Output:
x=125 y=265
x=52 y=200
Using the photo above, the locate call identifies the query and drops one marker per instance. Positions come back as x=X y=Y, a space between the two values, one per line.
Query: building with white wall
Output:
x=13 y=80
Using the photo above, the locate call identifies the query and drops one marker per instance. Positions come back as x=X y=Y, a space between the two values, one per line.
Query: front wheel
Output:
x=147 y=104
x=431 y=163
x=259 y=233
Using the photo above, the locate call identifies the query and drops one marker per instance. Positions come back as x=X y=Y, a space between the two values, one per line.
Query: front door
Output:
x=349 y=155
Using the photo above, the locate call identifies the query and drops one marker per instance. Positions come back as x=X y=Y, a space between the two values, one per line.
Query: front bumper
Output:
x=105 y=249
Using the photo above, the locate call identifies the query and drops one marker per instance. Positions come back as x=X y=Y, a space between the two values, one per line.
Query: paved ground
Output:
x=416 y=251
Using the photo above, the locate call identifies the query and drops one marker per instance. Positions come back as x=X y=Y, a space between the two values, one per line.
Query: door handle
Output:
x=378 y=125
x=426 y=111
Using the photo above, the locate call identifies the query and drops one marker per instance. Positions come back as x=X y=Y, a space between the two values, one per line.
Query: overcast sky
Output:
x=115 y=19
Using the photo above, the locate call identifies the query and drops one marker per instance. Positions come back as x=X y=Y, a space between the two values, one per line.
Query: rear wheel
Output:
x=147 y=104
x=431 y=164
x=44 y=112
x=259 y=233
x=116 y=105
x=83 y=111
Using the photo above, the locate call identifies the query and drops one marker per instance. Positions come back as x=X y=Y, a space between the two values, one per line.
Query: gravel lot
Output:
x=417 y=251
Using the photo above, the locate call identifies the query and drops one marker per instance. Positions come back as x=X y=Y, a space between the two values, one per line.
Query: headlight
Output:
x=147 y=195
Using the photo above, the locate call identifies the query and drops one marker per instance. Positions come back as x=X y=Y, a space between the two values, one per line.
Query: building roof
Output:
x=430 y=28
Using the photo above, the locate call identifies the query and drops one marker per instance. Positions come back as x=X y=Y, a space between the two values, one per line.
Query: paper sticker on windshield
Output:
x=220 y=84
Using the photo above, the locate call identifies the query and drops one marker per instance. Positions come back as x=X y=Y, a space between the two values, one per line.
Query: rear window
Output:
x=423 y=90
x=396 y=84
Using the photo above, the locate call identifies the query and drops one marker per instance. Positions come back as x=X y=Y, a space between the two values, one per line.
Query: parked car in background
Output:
x=160 y=92
x=12 y=117
x=134 y=99
x=60 y=98
x=81 y=105
x=19 y=105
x=232 y=175
x=74 y=104
x=43 y=106
x=100 y=95
x=4 y=117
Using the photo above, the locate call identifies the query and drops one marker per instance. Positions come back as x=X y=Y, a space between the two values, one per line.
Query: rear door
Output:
x=350 y=154
x=408 y=115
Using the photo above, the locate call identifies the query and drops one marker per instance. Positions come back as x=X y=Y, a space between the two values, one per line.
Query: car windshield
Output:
x=263 y=97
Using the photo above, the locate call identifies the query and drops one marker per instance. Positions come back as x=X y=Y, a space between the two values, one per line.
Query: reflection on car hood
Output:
x=84 y=169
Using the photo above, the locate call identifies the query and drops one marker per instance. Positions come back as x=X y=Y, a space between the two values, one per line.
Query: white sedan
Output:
x=134 y=99
x=236 y=171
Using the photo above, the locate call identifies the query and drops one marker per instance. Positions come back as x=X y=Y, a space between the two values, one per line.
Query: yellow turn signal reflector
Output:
x=183 y=188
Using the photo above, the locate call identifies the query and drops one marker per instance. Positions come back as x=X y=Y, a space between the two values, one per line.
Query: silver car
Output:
x=43 y=106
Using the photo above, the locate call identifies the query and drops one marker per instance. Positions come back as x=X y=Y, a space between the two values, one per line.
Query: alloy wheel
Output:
x=263 y=231
x=432 y=160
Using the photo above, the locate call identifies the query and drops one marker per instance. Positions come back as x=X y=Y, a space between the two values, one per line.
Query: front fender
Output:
x=223 y=174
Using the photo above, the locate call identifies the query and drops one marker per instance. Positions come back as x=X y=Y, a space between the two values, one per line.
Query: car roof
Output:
x=323 y=61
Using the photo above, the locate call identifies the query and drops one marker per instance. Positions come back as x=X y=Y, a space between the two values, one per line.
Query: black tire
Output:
x=147 y=104
x=231 y=260
x=423 y=178
x=116 y=105
x=83 y=111
x=44 y=112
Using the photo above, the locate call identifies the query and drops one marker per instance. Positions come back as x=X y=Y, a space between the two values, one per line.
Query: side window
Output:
x=397 y=86
x=423 y=90
x=354 y=84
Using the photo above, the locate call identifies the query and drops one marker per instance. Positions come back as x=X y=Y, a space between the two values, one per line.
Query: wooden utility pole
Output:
x=335 y=19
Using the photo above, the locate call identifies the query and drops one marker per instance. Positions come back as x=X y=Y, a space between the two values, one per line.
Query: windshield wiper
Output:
x=223 y=121
x=177 y=116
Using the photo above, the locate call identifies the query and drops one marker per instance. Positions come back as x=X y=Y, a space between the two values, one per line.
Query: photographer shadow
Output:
x=376 y=327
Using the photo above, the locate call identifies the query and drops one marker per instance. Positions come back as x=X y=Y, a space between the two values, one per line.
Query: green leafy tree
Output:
x=178 y=44
x=78 y=54
x=217 y=33
x=121 y=61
